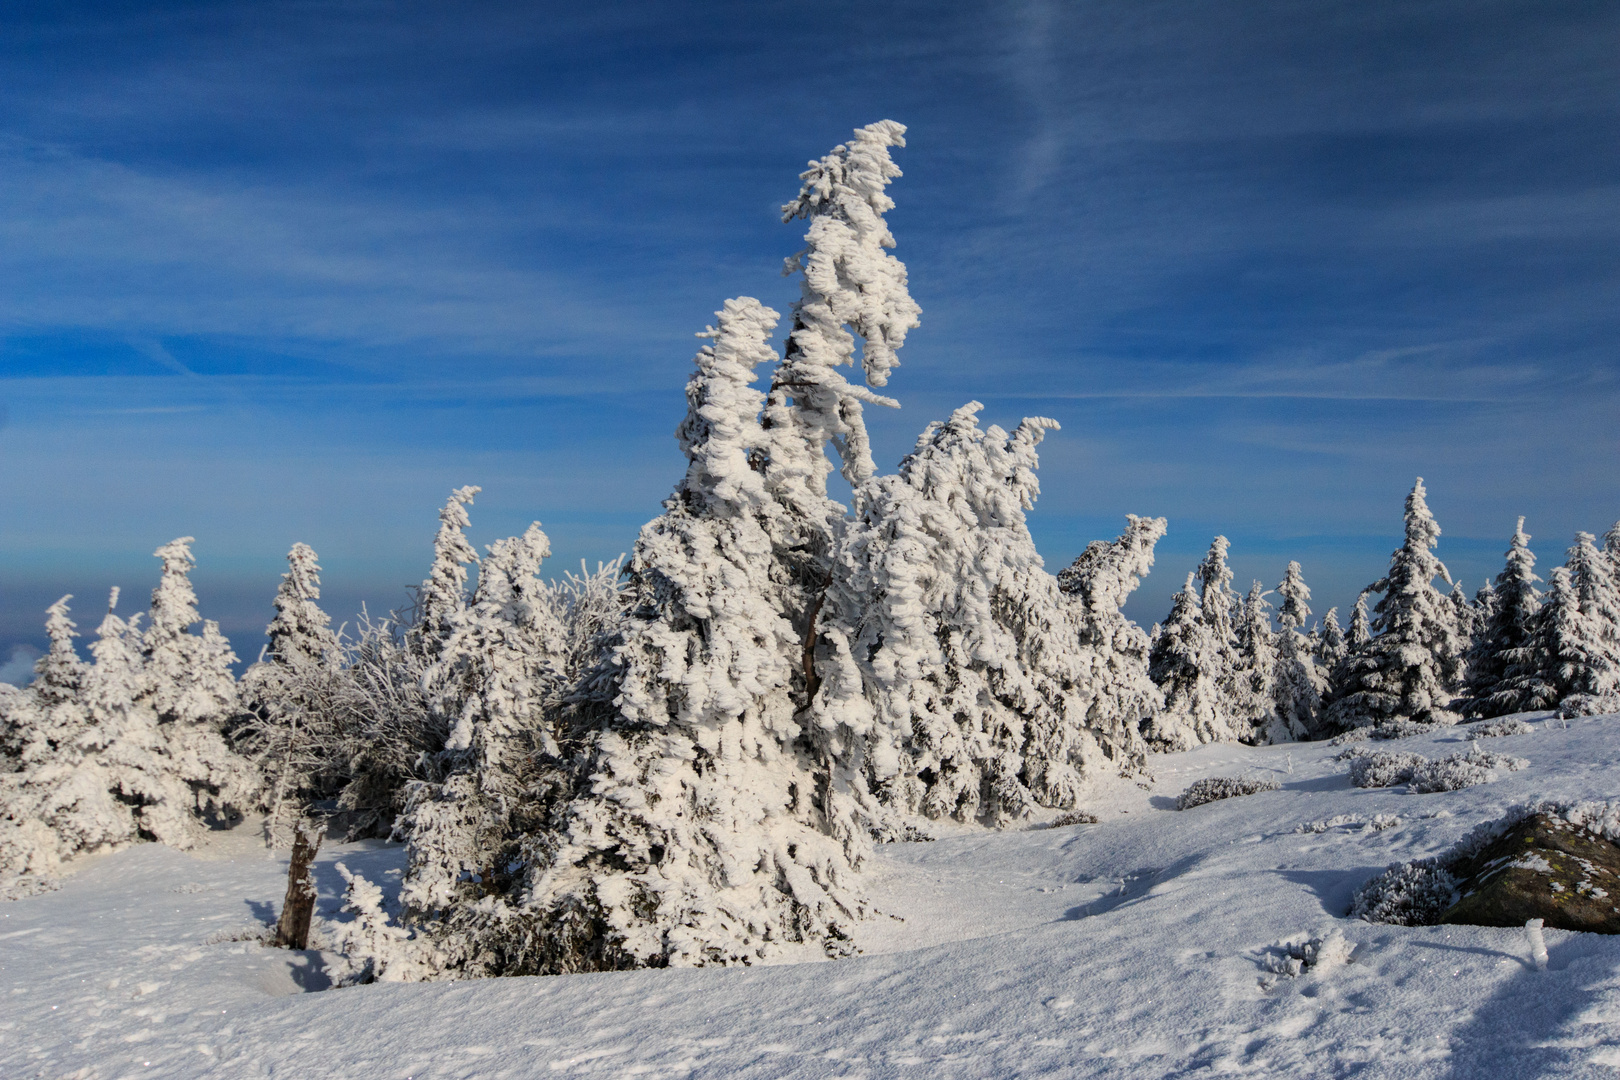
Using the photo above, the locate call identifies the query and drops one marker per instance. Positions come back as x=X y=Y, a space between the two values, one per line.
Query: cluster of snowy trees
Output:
x=1421 y=655
x=129 y=746
x=686 y=758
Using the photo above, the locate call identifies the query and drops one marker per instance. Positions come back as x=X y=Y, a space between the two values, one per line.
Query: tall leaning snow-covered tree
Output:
x=1412 y=668
x=699 y=827
x=1513 y=605
x=851 y=288
x=1297 y=680
x=1102 y=578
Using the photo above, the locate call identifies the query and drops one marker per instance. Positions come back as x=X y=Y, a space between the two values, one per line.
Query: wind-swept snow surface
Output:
x=1153 y=943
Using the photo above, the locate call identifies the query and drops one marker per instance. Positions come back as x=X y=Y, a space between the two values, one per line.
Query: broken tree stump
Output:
x=292 y=929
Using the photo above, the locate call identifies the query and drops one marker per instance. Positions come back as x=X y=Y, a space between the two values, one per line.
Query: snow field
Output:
x=1137 y=946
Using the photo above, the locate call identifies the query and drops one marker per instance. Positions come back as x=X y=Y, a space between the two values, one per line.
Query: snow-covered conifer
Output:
x=1103 y=578
x=850 y=283
x=44 y=812
x=990 y=679
x=188 y=676
x=1254 y=704
x=1330 y=644
x=291 y=732
x=1298 y=679
x=495 y=671
x=1513 y=605
x=1360 y=632
x=1182 y=663
x=1413 y=666
x=697 y=828
x=444 y=593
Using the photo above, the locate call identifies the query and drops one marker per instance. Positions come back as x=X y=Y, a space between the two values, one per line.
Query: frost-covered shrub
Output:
x=1496 y=728
x=1462 y=770
x=1377 y=823
x=1407 y=894
x=1417 y=893
x=374 y=948
x=1073 y=817
x=1402 y=728
x=1214 y=788
x=22 y=886
x=1589 y=705
x=1380 y=769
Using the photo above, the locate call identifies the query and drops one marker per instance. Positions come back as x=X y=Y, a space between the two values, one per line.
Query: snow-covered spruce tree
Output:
x=1298 y=680
x=690 y=821
x=291 y=729
x=499 y=664
x=1254 y=704
x=46 y=811
x=1413 y=665
x=1182 y=663
x=1592 y=665
x=1360 y=632
x=1611 y=547
x=1102 y=578
x=968 y=650
x=443 y=595
x=1538 y=674
x=1466 y=617
x=1220 y=605
x=1330 y=645
x=1505 y=627
x=187 y=682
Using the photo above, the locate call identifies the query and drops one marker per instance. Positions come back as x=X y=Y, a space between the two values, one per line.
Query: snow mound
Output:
x=1321 y=954
x=1214 y=788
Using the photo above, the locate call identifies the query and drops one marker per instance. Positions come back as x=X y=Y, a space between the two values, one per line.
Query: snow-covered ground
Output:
x=1132 y=947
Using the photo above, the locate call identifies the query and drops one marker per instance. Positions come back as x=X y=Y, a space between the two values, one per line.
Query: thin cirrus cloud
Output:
x=276 y=272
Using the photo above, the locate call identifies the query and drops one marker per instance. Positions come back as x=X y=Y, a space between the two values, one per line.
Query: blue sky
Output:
x=274 y=272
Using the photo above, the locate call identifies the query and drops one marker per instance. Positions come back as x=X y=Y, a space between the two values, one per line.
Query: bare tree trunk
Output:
x=292 y=930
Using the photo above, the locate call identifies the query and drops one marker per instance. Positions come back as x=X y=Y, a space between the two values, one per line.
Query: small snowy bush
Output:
x=1407 y=894
x=1495 y=728
x=1380 y=769
x=1074 y=817
x=1214 y=788
x=373 y=947
x=1589 y=705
